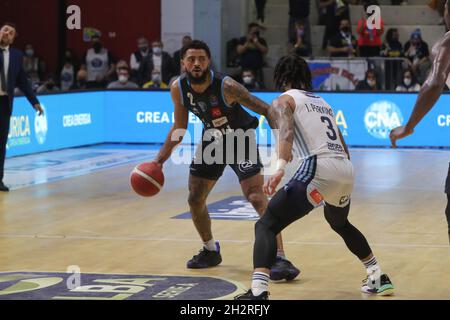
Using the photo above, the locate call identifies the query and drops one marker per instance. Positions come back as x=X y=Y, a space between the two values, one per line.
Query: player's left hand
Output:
x=399 y=133
x=271 y=185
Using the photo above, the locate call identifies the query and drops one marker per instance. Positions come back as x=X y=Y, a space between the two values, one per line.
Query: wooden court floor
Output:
x=96 y=222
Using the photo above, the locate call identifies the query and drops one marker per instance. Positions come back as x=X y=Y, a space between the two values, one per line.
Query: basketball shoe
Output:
x=205 y=259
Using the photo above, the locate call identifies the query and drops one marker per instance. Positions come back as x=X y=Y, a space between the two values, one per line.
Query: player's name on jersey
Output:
x=320 y=109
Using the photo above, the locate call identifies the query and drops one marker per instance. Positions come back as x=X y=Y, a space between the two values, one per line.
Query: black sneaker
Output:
x=3 y=188
x=205 y=259
x=283 y=270
x=249 y=296
x=381 y=286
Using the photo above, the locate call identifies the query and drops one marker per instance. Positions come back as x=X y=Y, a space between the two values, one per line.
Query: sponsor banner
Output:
x=84 y=286
x=70 y=120
x=79 y=119
x=232 y=208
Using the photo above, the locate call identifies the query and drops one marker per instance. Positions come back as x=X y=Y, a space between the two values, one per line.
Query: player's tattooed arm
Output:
x=282 y=113
x=178 y=130
x=235 y=92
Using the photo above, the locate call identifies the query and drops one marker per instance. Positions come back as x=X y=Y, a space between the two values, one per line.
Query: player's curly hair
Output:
x=293 y=70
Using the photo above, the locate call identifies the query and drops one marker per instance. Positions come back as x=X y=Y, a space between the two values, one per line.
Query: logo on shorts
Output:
x=381 y=117
x=344 y=200
x=316 y=196
x=245 y=166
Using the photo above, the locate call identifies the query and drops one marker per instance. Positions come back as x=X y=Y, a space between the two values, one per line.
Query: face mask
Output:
x=156 y=78
x=29 y=52
x=371 y=83
x=123 y=78
x=300 y=32
x=345 y=29
x=157 y=51
x=407 y=81
x=247 y=80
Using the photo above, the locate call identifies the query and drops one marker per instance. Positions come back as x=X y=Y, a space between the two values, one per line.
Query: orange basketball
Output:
x=147 y=179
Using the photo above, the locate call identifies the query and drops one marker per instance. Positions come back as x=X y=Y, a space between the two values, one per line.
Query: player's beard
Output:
x=198 y=80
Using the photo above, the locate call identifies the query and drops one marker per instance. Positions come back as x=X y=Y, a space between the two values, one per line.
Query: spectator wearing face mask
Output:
x=299 y=14
x=417 y=52
x=187 y=40
x=67 y=76
x=48 y=86
x=156 y=82
x=301 y=47
x=158 y=60
x=81 y=81
x=99 y=63
x=139 y=55
x=124 y=81
x=252 y=49
x=344 y=43
x=370 y=83
x=249 y=80
x=33 y=66
x=408 y=83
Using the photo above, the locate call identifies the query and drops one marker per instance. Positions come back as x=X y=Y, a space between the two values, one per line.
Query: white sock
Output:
x=372 y=267
x=260 y=283
x=210 y=245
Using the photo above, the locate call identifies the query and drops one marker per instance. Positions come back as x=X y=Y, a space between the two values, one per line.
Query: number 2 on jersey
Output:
x=332 y=133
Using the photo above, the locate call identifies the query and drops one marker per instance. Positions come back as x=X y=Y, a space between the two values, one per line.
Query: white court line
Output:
x=317 y=243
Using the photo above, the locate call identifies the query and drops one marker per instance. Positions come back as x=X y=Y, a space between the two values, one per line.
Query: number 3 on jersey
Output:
x=332 y=133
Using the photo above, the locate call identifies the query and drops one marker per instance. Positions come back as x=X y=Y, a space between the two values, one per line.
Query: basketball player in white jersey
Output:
x=307 y=126
x=429 y=94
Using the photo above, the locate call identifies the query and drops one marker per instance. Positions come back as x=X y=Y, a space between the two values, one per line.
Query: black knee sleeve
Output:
x=353 y=238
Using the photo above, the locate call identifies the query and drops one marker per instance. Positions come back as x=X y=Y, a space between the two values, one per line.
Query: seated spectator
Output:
x=409 y=82
x=301 y=47
x=417 y=52
x=252 y=49
x=370 y=83
x=33 y=66
x=248 y=80
x=344 y=43
x=48 y=86
x=123 y=82
x=177 y=54
x=156 y=82
x=139 y=55
x=158 y=60
x=81 y=82
x=100 y=64
x=392 y=47
x=369 y=40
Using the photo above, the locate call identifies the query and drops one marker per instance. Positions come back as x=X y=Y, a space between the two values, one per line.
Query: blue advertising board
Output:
x=76 y=119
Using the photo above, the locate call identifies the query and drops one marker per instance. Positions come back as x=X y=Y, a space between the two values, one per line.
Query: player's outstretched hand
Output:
x=399 y=133
x=271 y=185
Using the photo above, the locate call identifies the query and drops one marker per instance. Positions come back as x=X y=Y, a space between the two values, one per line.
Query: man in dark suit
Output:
x=159 y=60
x=11 y=75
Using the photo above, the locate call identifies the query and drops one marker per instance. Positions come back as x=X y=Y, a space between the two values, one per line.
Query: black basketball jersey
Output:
x=211 y=108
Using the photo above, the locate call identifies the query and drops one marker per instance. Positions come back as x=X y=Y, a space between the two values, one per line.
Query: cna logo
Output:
x=41 y=126
x=381 y=117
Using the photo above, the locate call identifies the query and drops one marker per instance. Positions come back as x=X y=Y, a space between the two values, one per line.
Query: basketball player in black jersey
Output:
x=217 y=101
x=429 y=94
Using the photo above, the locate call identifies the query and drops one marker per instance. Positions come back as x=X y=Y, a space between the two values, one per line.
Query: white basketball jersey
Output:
x=315 y=130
